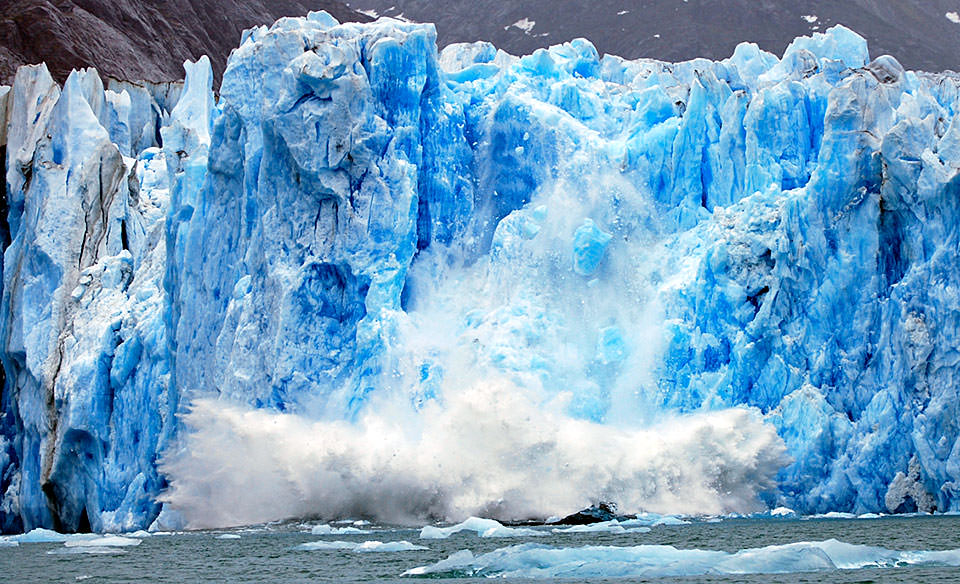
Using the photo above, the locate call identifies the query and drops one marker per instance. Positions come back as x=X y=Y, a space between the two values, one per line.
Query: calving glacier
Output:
x=370 y=279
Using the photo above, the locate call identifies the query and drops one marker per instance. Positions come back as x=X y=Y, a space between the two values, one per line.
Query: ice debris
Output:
x=663 y=561
x=361 y=547
x=486 y=528
x=612 y=527
x=333 y=530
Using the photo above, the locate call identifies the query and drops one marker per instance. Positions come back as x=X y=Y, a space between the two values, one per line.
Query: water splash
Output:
x=490 y=451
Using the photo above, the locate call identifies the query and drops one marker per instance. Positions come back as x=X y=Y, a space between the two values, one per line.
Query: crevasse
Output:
x=513 y=286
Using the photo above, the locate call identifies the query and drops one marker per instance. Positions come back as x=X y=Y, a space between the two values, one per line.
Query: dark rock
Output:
x=136 y=39
x=593 y=514
x=917 y=32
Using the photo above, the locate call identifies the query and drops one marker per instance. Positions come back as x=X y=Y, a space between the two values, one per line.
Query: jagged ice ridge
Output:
x=700 y=287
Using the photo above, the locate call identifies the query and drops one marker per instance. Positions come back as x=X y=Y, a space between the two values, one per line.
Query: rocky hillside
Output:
x=136 y=39
x=921 y=34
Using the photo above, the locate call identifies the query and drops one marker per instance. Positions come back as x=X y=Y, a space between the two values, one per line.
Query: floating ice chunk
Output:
x=953 y=17
x=389 y=546
x=670 y=520
x=482 y=528
x=654 y=519
x=659 y=561
x=327 y=545
x=783 y=512
x=103 y=541
x=333 y=530
x=41 y=535
x=91 y=550
x=7 y=542
x=140 y=534
x=613 y=527
x=228 y=536
x=833 y=515
x=367 y=546
x=524 y=24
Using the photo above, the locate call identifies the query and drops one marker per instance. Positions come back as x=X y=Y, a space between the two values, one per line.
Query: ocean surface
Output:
x=271 y=554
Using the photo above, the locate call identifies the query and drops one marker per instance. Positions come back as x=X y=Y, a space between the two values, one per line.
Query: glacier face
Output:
x=679 y=287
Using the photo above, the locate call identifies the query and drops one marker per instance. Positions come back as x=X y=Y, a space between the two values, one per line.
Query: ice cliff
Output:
x=369 y=277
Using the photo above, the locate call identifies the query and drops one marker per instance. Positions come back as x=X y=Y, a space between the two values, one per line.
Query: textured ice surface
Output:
x=480 y=527
x=612 y=526
x=332 y=530
x=86 y=397
x=662 y=561
x=379 y=281
x=41 y=535
x=361 y=547
x=104 y=541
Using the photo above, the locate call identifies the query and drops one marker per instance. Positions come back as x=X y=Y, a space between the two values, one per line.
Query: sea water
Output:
x=342 y=552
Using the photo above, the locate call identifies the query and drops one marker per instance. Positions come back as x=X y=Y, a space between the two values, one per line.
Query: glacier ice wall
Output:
x=87 y=396
x=375 y=247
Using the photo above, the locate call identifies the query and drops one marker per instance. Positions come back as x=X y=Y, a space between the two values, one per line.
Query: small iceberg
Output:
x=611 y=527
x=367 y=546
x=783 y=512
x=481 y=527
x=140 y=534
x=664 y=561
x=103 y=541
x=91 y=550
x=833 y=515
x=41 y=535
x=332 y=530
